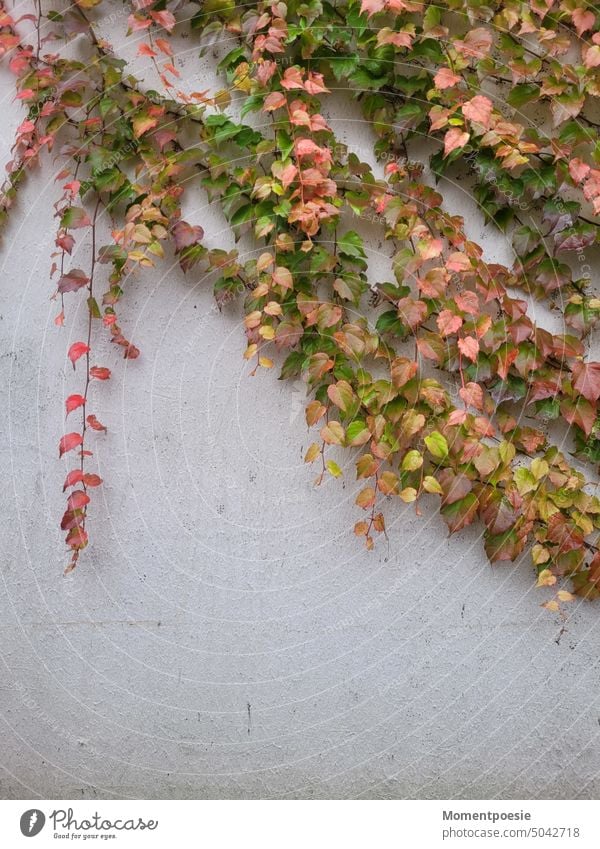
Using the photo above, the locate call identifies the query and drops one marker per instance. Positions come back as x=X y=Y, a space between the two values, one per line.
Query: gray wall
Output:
x=225 y=634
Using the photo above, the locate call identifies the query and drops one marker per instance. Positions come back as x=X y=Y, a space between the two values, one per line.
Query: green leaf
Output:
x=522 y=94
x=351 y=244
x=412 y=461
x=357 y=433
x=252 y=104
x=437 y=445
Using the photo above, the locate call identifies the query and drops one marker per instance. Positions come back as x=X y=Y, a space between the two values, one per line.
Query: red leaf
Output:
x=92 y=480
x=578 y=170
x=71 y=520
x=445 y=78
x=66 y=242
x=145 y=50
x=100 y=373
x=73 y=281
x=68 y=442
x=163 y=46
x=587 y=380
x=478 y=109
x=292 y=78
x=454 y=139
x=94 y=423
x=448 y=323
x=76 y=538
x=75 y=476
x=77 y=349
x=469 y=347
x=315 y=84
x=165 y=19
x=186 y=235
x=412 y=312
x=74 y=401
x=477 y=43
x=274 y=101
x=583 y=20
x=60 y=319
x=77 y=500
x=580 y=413
x=131 y=352
x=472 y=395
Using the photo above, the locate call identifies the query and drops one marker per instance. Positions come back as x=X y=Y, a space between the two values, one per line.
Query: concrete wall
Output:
x=225 y=635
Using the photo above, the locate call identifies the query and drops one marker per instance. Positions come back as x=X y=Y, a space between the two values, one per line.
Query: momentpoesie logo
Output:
x=65 y=824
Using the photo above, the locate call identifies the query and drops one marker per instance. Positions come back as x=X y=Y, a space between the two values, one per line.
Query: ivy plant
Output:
x=438 y=381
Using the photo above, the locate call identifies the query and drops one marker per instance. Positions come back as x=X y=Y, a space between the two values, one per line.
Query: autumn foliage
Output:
x=439 y=381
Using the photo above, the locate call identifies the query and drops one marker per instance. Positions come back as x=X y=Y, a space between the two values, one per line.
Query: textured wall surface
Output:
x=225 y=635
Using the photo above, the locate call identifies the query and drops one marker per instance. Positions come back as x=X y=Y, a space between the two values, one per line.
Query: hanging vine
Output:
x=459 y=77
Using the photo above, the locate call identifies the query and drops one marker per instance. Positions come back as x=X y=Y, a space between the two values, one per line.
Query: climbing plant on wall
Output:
x=427 y=378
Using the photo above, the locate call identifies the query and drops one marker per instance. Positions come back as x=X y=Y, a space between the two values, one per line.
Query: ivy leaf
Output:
x=186 y=235
x=77 y=350
x=587 y=380
x=523 y=93
x=437 y=445
x=333 y=433
x=73 y=402
x=580 y=413
x=77 y=500
x=95 y=424
x=74 y=280
x=68 y=442
x=460 y=513
x=75 y=217
x=100 y=372
x=357 y=433
x=454 y=140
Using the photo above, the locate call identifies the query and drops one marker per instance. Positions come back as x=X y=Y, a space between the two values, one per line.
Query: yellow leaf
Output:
x=431 y=485
x=546 y=579
x=333 y=468
x=388 y=483
x=361 y=529
x=366 y=497
x=263 y=262
x=261 y=290
x=539 y=554
x=564 y=595
x=333 y=433
x=252 y=320
x=539 y=468
x=142 y=235
x=312 y=453
x=408 y=494
x=412 y=461
x=265 y=362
